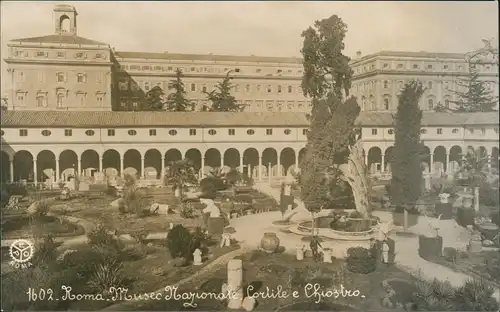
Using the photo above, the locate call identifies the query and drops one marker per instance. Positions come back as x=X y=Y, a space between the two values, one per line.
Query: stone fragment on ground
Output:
x=116 y=203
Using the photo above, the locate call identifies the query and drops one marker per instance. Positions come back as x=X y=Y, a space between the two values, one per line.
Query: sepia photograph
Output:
x=249 y=156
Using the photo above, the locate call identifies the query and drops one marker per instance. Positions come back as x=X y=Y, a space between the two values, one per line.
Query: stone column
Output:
x=162 y=169
x=57 y=173
x=241 y=163
x=382 y=165
x=269 y=173
x=121 y=167
x=221 y=160
x=366 y=160
x=296 y=160
x=234 y=283
x=78 y=166
x=431 y=166
x=446 y=162
x=35 y=171
x=100 y=163
x=143 y=174
x=11 y=169
x=278 y=165
x=260 y=168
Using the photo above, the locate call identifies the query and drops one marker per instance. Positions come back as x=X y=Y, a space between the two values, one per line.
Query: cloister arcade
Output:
x=39 y=165
x=435 y=159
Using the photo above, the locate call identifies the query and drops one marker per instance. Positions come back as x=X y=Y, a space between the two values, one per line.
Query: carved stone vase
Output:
x=270 y=242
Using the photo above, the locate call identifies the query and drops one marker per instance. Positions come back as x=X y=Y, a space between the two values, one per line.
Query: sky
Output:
x=265 y=28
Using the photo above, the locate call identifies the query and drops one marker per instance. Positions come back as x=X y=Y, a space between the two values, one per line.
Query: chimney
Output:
x=358 y=53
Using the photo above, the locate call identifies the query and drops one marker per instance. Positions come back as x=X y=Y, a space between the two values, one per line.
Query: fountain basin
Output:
x=337 y=241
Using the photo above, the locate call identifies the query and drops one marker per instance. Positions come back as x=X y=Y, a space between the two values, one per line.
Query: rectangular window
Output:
x=60 y=54
x=111 y=132
x=68 y=132
x=374 y=131
x=304 y=131
x=483 y=131
x=193 y=87
x=79 y=55
x=445 y=66
x=269 y=131
x=40 y=53
x=152 y=132
x=439 y=130
x=429 y=66
x=23 y=132
x=231 y=131
x=192 y=131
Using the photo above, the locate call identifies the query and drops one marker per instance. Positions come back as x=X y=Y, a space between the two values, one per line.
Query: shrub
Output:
x=133 y=199
x=39 y=209
x=493 y=267
x=233 y=177
x=17 y=189
x=435 y=296
x=495 y=216
x=488 y=195
x=475 y=295
x=199 y=240
x=106 y=276
x=101 y=236
x=355 y=215
x=140 y=236
x=187 y=211
x=45 y=250
x=360 y=260
x=178 y=241
x=450 y=254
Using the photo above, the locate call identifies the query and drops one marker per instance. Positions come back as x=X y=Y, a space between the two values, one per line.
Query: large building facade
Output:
x=71 y=102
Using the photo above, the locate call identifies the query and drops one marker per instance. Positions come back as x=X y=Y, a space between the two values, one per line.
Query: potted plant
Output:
x=431 y=246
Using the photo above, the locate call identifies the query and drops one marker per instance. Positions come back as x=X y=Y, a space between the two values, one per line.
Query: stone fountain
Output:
x=362 y=226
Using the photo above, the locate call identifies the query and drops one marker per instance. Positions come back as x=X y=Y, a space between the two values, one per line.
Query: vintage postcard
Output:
x=249 y=156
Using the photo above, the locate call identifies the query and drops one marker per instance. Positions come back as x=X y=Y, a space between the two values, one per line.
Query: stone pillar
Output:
x=100 y=163
x=234 y=283
x=296 y=160
x=241 y=163
x=162 y=169
x=278 y=165
x=57 y=176
x=121 y=167
x=446 y=162
x=11 y=170
x=431 y=165
x=260 y=168
x=366 y=160
x=143 y=174
x=221 y=160
x=269 y=173
x=202 y=165
x=35 y=171
x=78 y=166
x=382 y=165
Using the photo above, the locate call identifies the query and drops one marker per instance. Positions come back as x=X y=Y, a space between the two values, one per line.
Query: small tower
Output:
x=65 y=19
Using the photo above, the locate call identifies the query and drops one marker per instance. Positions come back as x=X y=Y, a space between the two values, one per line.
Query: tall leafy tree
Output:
x=327 y=77
x=177 y=101
x=221 y=97
x=154 y=100
x=472 y=94
x=406 y=155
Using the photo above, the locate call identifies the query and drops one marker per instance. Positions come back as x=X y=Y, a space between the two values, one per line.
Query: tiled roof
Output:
x=206 y=57
x=421 y=54
x=432 y=119
x=63 y=38
x=127 y=119
x=209 y=119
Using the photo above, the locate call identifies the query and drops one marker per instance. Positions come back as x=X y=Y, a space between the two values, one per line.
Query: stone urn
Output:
x=270 y=242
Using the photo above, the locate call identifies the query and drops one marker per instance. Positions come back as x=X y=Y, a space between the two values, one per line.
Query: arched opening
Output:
x=374 y=159
x=232 y=158
x=455 y=158
x=132 y=163
x=483 y=152
x=287 y=160
x=5 y=173
x=64 y=23
x=426 y=159
x=251 y=162
x=152 y=164
x=23 y=166
x=68 y=164
x=495 y=161
x=270 y=157
x=212 y=159
x=111 y=163
x=172 y=155
x=387 y=159
x=194 y=155
x=439 y=164
x=46 y=166
x=302 y=154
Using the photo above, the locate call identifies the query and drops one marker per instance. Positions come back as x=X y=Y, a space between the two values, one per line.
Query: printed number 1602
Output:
x=42 y=294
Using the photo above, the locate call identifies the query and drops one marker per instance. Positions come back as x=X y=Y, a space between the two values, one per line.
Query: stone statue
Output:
x=354 y=173
x=197 y=257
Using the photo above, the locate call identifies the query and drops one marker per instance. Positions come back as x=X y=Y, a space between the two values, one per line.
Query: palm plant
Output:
x=474 y=171
x=180 y=173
